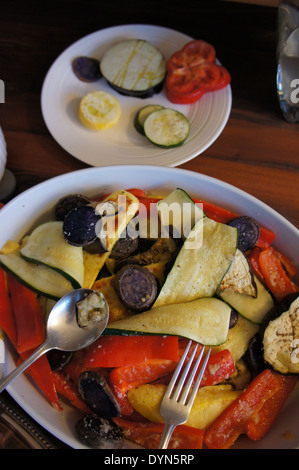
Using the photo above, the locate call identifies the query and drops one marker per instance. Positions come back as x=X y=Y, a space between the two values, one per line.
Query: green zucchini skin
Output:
x=46 y=246
x=142 y=114
x=253 y=309
x=201 y=264
x=204 y=320
x=167 y=128
x=173 y=212
x=39 y=278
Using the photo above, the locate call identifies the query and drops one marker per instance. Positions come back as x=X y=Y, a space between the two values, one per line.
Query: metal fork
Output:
x=177 y=401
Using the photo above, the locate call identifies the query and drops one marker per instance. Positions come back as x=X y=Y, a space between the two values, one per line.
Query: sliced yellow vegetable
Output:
x=99 y=110
x=208 y=404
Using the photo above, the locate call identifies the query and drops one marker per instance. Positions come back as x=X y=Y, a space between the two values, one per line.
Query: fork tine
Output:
x=178 y=370
x=199 y=378
x=181 y=382
x=189 y=382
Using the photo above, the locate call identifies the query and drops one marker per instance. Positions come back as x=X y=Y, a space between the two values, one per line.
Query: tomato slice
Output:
x=192 y=71
x=184 y=98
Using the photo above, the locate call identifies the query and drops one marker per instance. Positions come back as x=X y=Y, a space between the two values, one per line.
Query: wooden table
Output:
x=257 y=151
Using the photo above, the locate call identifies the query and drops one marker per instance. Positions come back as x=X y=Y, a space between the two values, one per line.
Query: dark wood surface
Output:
x=257 y=151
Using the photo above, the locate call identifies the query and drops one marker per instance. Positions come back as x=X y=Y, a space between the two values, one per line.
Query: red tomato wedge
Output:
x=193 y=71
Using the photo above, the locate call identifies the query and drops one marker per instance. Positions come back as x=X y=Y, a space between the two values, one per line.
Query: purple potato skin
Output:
x=87 y=69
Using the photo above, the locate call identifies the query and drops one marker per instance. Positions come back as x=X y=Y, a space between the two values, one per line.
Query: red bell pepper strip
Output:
x=7 y=319
x=221 y=215
x=42 y=375
x=118 y=351
x=149 y=434
x=275 y=275
x=124 y=378
x=261 y=421
x=220 y=367
x=28 y=316
x=66 y=388
x=233 y=421
x=254 y=259
x=286 y=263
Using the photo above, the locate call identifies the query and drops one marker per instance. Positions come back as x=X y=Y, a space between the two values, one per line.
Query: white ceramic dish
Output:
x=27 y=209
x=122 y=145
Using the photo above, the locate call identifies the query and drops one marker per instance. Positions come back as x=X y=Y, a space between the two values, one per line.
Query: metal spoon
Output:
x=63 y=331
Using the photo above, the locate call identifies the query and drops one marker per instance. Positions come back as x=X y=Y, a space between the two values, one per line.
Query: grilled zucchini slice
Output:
x=47 y=246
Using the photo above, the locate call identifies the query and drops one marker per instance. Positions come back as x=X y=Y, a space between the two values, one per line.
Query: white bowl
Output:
x=3 y=153
x=28 y=209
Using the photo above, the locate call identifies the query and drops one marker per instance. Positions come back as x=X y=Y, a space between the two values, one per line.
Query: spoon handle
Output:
x=42 y=349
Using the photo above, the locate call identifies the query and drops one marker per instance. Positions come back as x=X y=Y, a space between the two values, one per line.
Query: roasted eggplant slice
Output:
x=58 y=359
x=239 y=277
x=79 y=226
x=136 y=286
x=134 y=67
x=87 y=69
x=281 y=341
x=97 y=394
x=249 y=231
x=69 y=202
x=99 y=433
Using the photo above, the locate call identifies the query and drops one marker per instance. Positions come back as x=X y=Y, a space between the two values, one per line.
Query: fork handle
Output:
x=167 y=433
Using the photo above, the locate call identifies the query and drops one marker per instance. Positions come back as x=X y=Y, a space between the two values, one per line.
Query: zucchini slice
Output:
x=46 y=245
x=166 y=128
x=142 y=114
x=179 y=211
x=201 y=264
x=134 y=67
x=40 y=278
x=252 y=308
x=203 y=320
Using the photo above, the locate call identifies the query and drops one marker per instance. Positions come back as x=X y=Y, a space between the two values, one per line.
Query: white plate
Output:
x=121 y=144
x=19 y=215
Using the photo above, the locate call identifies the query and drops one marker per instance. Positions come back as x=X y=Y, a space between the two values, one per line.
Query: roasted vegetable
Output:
x=136 y=286
x=249 y=231
x=79 y=226
x=239 y=277
x=281 y=341
x=67 y=203
x=166 y=127
x=87 y=69
x=58 y=359
x=142 y=114
x=97 y=394
x=134 y=67
x=99 y=433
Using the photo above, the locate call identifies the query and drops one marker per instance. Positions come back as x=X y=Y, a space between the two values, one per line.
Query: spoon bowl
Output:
x=63 y=331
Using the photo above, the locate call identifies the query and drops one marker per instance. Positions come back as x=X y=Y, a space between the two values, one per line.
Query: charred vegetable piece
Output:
x=87 y=69
x=125 y=245
x=97 y=394
x=58 y=359
x=249 y=231
x=99 y=433
x=69 y=202
x=233 y=318
x=79 y=226
x=136 y=286
x=254 y=355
